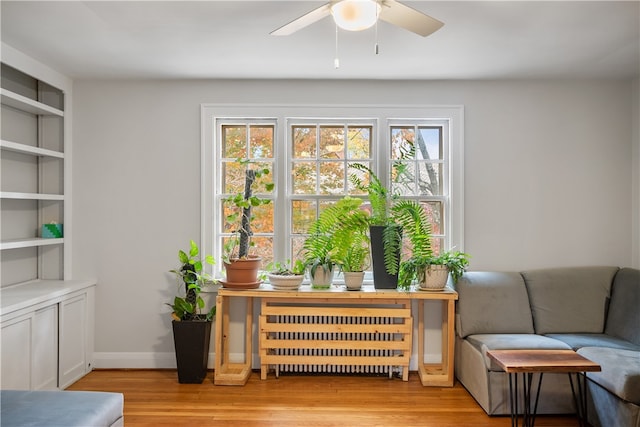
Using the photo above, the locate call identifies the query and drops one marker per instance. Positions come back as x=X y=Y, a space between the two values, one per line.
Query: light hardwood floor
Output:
x=154 y=398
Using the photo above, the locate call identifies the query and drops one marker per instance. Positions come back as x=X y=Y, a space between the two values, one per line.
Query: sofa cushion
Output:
x=620 y=371
x=569 y=300
x=484 y=342
x=61 y=408
x=577 y=341
x=624 y=315
x=492 y=303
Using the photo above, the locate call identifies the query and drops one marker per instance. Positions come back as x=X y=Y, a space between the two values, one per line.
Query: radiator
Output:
x=355 y=339
x=357 y=336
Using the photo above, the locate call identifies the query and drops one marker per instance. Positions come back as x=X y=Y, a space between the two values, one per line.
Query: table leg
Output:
x=218 y=344
x=448 y=343
x=226 y=372
x=438 y=374
x=580 y=396
x=535 y=406
x=528 y=412
x=526 y=383
x=513 y=398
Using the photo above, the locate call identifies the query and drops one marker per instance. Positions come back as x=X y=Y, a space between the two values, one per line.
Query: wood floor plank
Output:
x=155 y=398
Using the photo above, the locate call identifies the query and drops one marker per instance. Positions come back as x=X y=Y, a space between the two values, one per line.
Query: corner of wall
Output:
x=635 y=173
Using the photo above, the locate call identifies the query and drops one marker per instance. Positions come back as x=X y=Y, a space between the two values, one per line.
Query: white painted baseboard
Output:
x=121 y=360
x=104 y=360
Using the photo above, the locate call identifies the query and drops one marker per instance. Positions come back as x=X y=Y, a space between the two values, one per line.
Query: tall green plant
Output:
x=380 y=198
x=190 y=275
x=241 y=215
x=381 y=201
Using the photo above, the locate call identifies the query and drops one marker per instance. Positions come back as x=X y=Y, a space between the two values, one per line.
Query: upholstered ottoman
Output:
x=61 y=409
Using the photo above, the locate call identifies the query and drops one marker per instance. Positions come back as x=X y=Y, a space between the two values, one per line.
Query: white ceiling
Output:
x=230 y=39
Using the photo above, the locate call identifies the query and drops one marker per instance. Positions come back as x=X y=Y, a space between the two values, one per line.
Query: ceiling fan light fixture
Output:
x=355 y=15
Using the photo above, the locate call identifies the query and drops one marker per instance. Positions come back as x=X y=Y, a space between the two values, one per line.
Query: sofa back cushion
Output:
x=569 y=300
x=623 y=320
x=492 y=303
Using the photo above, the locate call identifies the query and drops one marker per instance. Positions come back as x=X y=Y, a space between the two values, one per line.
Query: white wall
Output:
x=548 y=182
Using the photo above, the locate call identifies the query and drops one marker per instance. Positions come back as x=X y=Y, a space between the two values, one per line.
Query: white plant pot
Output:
x=322 y=279
x=288 y=282
x=353 y=280
x=435 y=278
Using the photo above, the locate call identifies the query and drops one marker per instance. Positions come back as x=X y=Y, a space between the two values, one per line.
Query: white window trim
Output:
x=386 y=115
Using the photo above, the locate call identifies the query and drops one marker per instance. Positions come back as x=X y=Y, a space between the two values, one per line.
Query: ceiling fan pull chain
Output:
x=336 y=61
x=376 y=50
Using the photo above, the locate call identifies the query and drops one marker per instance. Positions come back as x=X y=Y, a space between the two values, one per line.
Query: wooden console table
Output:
x=285 y=314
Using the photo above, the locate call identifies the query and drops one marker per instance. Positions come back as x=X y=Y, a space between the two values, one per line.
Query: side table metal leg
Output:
x=580 y=397
x=526 y=399
x=535 y=405
x=530 y=408
x=585 y=418
x=513 y=398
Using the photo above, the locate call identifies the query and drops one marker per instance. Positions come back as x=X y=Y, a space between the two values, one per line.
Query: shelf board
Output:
x=30 y=196
x=29 y=243
x=23 y=103
x=28 y=294
x=29 y=149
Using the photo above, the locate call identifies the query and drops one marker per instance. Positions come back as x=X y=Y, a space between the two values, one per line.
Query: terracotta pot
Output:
x=243 y=272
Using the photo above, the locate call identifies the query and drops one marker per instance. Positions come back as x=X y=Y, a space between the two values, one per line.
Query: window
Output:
x=252 y=140
x=309 y=151
x=319 y=159
x=419 y=170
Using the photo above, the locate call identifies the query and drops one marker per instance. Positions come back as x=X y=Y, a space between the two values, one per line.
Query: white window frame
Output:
x=385 y=115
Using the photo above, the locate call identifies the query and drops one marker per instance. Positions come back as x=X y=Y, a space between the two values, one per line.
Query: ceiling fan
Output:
x=356 y=15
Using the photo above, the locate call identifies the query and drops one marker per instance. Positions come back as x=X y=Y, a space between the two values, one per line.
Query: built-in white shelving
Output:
x=29 y=243
x=46 y=318
x=16 y=147
x=30 y=196
x=23 y=103
x=32 y=149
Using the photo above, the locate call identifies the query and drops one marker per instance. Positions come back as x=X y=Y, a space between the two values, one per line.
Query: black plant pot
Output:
x=191 y=340
x=381 y=278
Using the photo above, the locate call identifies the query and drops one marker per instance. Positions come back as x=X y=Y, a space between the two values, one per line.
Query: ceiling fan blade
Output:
x=306 y=19
x=408 y=18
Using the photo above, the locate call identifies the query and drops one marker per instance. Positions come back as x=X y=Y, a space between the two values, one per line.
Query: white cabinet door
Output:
x=16 y=353
x=72 y=333
x=44 y=342
x=30 y=350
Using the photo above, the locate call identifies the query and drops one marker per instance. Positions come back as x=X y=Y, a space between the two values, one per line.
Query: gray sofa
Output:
x=593 y=310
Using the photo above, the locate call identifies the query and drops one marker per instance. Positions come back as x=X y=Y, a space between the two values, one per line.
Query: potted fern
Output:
x=385 y=232
x=430 y=271
x=329 y=238
x=240 y=265
x=351 y=243
x=354 y=262
x=191 y=324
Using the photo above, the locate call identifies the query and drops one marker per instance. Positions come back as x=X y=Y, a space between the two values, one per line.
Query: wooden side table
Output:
x=528 y=362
